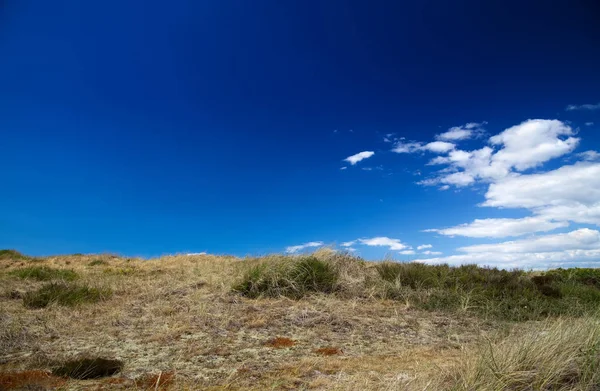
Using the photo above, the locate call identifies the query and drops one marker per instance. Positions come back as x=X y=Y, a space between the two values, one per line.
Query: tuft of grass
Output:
x=65 y=295
x=560 y=355
x=44 y=273
x=88 y=368
x=291 y=277
x=97 y=262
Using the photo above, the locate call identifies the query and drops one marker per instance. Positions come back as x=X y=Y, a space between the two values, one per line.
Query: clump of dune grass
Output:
x=12 y=254
x=65 y=295
x=490 y=292
x=98 y=262
x=557 y=355
x=290 y=277
x=44 y=273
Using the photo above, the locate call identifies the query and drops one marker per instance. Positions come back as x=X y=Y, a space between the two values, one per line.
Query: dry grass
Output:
x=178 y=316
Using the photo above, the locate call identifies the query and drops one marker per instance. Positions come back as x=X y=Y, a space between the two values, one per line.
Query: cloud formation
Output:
x=358 y=157
x=300 y=247
x=464 y=132
x=583 y=107
x=393 y=244
x=518 y=148
x=424 y=246
x=500 y=228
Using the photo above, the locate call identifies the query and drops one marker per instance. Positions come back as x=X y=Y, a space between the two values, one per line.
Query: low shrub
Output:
x=65 y=295
x=44 y=273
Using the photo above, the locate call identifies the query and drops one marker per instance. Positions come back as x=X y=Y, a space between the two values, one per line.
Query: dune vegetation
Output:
x=322 y=321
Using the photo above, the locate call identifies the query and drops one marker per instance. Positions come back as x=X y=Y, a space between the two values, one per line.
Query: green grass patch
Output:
x=490 y=292
x=12 y=254
x=65 y=294
x=290 y=277
x=44 y=273
x=98 y=262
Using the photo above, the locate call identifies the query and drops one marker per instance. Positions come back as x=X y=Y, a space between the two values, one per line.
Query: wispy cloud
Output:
x=393 y=244
x=358 y=157
x=587 y=106
x=413 y=146
x=589 y=156
x=407 y=252
x=500 y=228
x=467 y=131
x=431 y=252
x=424 y=246
x=589 y=123
x=300 y=247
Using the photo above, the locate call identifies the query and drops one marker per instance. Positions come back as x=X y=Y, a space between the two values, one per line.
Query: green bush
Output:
x=44 y=273
x=291 y=278
x=65 y=295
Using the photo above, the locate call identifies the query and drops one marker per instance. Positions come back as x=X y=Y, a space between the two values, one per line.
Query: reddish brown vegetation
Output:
x=29 y=380
x=280 y=342
x=329 y=351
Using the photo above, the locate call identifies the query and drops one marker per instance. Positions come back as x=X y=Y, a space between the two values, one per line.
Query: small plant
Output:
x=65 y=295
x=88 y=368
x=44 y=273
x=97 y=262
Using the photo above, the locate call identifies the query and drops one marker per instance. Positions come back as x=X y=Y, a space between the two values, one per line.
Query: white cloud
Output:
x=579 y=248
x=295 y=249
x=589 y=123
x=393 y=244
x=532 y=143
x=569 y=193
x=348 y=244
x=521 y=147
x=192 y=254
x=410 y=147
x=343 y=168
x=359 y=156
x=407 y=252
x=424 y=246
x=464 y=132
x=431 y=252
x=439 y=146
x=583 y=107
x=581 y=239
x=532 y=260
x=414 y=146
x=500 y=228
x=589 y=156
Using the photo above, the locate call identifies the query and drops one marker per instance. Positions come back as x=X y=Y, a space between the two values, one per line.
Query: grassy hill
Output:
x=324 y=321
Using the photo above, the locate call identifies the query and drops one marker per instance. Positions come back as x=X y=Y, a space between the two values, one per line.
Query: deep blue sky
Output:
x=147 y=127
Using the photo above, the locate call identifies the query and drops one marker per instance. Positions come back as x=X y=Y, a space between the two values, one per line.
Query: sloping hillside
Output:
x=320 y=322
